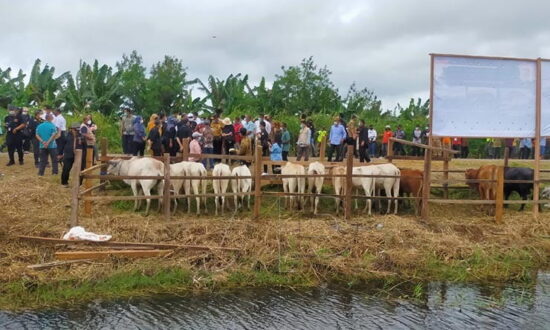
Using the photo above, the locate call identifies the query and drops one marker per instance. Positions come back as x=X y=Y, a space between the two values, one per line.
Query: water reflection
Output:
x=442 y=306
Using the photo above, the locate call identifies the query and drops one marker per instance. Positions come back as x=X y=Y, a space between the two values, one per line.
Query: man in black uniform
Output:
x=14 y=138
x=72 y=142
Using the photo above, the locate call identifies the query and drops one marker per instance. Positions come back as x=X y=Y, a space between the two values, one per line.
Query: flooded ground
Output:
x=437 y=306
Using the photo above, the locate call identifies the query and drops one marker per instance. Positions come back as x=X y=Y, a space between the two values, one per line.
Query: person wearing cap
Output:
x=47 y=133
x=336 y=138
x=208 y=143
x=386 y=140
x=73 y=142
x=228 y=135
x=127 y=131
x=195 y=146
x=14 y=138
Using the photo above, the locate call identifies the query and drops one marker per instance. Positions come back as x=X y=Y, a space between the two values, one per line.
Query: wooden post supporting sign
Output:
x=88 y=182
x=323 y=148
x=499 y=198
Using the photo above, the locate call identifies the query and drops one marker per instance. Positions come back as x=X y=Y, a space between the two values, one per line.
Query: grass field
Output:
x=283 y=248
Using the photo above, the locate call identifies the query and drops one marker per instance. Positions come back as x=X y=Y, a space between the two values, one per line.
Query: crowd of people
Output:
x=45 y=132
x=52 y=142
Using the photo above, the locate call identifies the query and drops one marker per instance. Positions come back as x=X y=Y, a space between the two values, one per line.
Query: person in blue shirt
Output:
x=46 y=133
x=285 y=140
x=276 y=152
x=336 y=139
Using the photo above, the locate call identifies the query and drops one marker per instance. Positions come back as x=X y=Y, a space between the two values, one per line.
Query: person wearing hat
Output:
x=73 y=142
x=195 y=147
x=336 y=138
x=386 y=140
x=14 y=138
x=228 y=135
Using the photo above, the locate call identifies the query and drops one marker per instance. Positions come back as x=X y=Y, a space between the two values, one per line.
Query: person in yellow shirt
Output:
x=216 y=126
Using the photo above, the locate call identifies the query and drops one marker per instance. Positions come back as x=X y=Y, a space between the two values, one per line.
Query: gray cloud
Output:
x=382 y=45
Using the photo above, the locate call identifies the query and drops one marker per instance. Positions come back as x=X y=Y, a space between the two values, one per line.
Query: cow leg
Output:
x=135 y=191
x=147 y=192
x=388 y=195
x=187 y=188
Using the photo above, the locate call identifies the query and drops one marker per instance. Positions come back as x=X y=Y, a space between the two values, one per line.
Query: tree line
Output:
x=305 y=88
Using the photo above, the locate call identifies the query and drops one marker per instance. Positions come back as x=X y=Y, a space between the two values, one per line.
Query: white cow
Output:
x=315 y=168
x=339 y=184
x=293 y=185
x=390 y=185
x=196 y=169
x=241 y=185
x=179 y=169
x=220 y=186
x=140 y=167
x=367 y=183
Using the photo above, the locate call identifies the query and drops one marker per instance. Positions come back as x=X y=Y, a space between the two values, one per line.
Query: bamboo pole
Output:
x=389 y=152
x=499 y=198
x=538 y=110
x=323 y=148
x=446 y=177
x=506 y=155
x=76 y=187
x=257 y=180
x=88 y=182
x=166 y=190
x=425 y=209
x=185 y=151
x=103 y=154
x=349 y=182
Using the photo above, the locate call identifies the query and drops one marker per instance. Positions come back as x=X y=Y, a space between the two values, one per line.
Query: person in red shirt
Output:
x=456 y=143
x=237 y=125
x=386 y=139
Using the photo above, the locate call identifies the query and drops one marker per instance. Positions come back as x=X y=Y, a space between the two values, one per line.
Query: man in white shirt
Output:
x=371 y=134
x=46 y=111
x=61 y=125
x=267 y=124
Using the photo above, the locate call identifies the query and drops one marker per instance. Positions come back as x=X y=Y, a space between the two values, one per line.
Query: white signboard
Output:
x=479 y=97
x=545 y=99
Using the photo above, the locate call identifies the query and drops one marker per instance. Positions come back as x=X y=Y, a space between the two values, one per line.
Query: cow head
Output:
x=471 y=174
x=114 y=166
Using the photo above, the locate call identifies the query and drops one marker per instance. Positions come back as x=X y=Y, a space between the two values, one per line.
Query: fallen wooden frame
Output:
x=58 y=263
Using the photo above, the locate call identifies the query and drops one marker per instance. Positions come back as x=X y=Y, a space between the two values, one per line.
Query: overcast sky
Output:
x=382 y=45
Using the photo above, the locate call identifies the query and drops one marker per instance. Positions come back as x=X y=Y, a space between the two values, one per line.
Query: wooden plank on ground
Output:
x=58 y=263
x=72 y=255
x=126 y=244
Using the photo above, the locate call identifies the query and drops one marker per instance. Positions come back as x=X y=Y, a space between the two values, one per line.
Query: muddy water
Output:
x=437 y=306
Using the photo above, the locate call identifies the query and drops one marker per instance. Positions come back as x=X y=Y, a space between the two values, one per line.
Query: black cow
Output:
x=523 y=189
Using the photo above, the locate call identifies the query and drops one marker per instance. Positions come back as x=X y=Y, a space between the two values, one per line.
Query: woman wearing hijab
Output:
x=154 y=140
x=151 y=122
x=139 y=136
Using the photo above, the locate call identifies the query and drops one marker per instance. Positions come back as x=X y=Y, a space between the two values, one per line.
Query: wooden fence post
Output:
x=257 y=180
x=323 y=148
x=88 y=182
x=426 y=181
x=389 y=152
x=166 y=190
x=446 y=177
x=75 y=178
x=506 y=156
x=185 y=152
x=499 y=198
x=349 y=182
x=104 y=163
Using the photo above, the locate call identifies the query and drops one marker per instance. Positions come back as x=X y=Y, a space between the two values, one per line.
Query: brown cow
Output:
x=486 y=190
x=411 y=185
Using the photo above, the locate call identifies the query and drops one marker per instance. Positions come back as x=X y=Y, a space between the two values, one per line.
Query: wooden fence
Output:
x=257 y=164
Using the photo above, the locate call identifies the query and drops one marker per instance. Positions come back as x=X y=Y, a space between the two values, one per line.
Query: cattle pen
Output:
x=88 y=193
